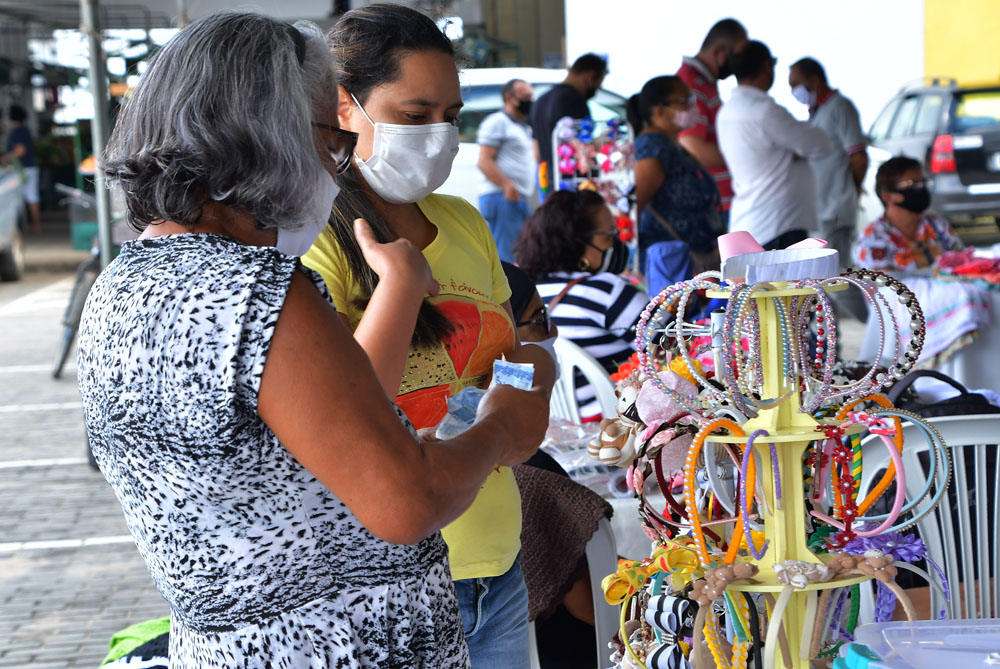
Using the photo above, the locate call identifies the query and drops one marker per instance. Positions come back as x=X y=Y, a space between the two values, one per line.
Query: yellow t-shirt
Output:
x=485 y=540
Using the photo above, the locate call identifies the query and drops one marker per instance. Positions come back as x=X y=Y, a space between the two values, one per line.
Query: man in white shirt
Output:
x=767 y=152
x=507 y=161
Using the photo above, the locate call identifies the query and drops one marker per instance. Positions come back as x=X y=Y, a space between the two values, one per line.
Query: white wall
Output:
x=869 y=49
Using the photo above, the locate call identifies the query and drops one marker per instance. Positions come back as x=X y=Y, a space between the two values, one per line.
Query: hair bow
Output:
x=678 y=558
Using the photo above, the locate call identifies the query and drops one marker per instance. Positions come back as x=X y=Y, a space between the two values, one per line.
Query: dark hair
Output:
x=726 y=30
x=748 y=62
x=522 y=289
x=589 y=62
x=369 y=43
x=654 y=92
x=508 y=88
x=177 y=146
x=553 y=238
x=17 y=113
x=892 y=171
x=810 y=67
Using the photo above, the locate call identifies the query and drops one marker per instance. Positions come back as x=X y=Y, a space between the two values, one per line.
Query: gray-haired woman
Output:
x=285 y=512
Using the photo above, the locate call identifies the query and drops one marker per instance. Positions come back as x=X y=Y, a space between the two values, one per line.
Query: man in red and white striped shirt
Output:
x=700 y=73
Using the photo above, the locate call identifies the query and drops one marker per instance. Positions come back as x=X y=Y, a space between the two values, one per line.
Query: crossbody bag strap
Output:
x=562 y=293
x=663 y=222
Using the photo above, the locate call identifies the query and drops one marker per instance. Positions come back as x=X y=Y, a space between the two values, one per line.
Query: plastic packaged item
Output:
x=923 y=644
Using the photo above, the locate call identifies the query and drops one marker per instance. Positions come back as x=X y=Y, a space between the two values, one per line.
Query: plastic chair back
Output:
x=967 y=552
x=571 y=358
x=602 y=559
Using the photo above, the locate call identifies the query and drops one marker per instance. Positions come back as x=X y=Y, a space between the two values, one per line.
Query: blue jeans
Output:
x=495 y=617
x=505 y=219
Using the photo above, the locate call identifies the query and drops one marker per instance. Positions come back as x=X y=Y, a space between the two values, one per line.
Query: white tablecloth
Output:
x=952 y=308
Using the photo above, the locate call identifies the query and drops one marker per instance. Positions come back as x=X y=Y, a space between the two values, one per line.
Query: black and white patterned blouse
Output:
x=260 y=563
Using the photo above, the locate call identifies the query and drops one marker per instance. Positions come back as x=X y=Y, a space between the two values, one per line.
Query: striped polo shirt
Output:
x=707 y=102
x=599 y=315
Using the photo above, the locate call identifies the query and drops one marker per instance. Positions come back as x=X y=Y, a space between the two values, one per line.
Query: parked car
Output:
x=481 y=95
x=11 y=212
x=954 y=131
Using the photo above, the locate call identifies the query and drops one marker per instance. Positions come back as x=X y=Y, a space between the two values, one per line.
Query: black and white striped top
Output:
x=599 y=315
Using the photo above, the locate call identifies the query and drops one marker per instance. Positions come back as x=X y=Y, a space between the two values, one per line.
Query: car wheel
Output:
x=12 y=259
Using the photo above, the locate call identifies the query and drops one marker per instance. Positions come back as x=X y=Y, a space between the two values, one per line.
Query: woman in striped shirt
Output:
x=570 y=247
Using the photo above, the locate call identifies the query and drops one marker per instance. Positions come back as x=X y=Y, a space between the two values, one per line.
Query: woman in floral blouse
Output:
x=906 y=237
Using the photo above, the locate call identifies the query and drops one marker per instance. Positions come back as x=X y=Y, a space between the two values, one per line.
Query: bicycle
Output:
x=86 y=275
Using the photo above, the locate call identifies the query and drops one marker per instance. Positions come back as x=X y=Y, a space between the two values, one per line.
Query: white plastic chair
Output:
x=969 y=439
x=602 y=559
x=571 y=357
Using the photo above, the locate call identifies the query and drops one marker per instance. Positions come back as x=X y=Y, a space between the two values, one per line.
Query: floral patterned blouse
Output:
x=883 y=246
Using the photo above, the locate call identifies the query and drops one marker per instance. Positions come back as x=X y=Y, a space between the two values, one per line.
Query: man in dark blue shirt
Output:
x=20 y=145
x=566 y=99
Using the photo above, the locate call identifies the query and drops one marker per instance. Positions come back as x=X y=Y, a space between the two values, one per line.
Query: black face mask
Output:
x=916 y=199
x=591 y=92
x=524 y=107
x=614 y=258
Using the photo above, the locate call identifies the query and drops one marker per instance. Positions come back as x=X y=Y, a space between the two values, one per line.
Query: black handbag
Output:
x=963 y=404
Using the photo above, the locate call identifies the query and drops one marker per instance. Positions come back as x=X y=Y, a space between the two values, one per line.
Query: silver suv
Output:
x=954 y=131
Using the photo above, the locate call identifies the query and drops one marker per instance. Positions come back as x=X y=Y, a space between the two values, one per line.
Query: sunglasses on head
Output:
x=342 y=147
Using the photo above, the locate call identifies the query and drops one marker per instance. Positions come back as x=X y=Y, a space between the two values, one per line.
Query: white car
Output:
x=481 y=94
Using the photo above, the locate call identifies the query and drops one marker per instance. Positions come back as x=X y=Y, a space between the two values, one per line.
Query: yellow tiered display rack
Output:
x=791 y=431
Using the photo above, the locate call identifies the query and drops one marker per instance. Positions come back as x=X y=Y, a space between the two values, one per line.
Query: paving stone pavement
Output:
x=69 y=574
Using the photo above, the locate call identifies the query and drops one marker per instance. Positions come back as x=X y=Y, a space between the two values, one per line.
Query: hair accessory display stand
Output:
x=776 y=594
x=791 y=432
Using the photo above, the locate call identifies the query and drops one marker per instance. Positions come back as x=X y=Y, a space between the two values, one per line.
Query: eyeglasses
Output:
x=687 y=102
x=610 y=232
x=542 y=319
x=911 y=183
x=343 y=145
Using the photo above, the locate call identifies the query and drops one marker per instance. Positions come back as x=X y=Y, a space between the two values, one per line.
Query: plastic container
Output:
x=924 y=644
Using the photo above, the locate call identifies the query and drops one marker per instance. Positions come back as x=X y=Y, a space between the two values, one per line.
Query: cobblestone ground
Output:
x=69 y=574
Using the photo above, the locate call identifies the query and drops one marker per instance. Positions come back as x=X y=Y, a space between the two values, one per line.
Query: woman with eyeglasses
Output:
x=286 y=510
x=399 y=92
x=570 y=248
x=676 y=198
x=907 y=237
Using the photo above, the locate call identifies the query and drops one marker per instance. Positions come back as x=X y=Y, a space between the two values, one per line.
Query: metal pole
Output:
x=91 y=26
x=182 y=14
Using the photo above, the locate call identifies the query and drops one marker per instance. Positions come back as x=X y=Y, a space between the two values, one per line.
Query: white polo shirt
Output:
x=767 y=152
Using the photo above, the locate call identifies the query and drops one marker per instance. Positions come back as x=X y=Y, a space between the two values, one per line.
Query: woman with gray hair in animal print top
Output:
x=287 y=514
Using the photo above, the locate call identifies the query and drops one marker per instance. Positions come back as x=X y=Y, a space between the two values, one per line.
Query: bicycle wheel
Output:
x=72 y=320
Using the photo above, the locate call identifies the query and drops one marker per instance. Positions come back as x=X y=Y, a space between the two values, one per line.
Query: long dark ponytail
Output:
x=368 y=44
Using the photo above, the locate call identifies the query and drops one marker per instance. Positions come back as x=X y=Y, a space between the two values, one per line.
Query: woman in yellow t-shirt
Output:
x=400 y=92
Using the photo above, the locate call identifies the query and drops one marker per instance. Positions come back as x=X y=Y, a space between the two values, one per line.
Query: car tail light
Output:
x=942 y=155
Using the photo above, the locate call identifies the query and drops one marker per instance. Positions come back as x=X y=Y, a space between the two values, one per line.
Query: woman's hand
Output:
x=398 y=261
x=523 y=415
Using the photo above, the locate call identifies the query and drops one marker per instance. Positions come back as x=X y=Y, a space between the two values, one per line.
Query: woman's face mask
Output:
x=408 y=162
x=316 y=213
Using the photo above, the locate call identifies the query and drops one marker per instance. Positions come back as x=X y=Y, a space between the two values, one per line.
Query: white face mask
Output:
x=550 y=346
x=408 y=162
x=685 y=118
x=316 y=215
x=803 y=95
